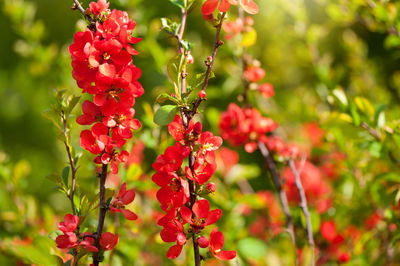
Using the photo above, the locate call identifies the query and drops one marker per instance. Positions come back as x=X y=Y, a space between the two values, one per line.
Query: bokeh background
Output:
x=334 y=64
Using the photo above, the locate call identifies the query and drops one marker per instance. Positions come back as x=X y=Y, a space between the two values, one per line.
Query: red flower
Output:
x=99 y=7
x=177 y=130
x=248 y=5
x=174 y=191
x=70 y=240
x=227 y=159
x=91 y=113
x=232 y=28
x=67 y=240
x=209 y=142
x=69 y=224
x=80 y=49
x=216 y=243
x=344 y=257
x=174 y=251
x=123 y=198
x=173 y=231
x=328 y=230
x=372 y=221
x=209 y=6
x=91 y=143
x=202 y=215
x=316 y=188
x=108 y=241
x=267 y=90
x=245 y=126
x=172 y=158
x=122 y=123
x=254 y=74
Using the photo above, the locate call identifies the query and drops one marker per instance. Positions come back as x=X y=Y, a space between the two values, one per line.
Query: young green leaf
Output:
x=65 y=174
x=165 y=97
x=178 y=3
x=165 y=114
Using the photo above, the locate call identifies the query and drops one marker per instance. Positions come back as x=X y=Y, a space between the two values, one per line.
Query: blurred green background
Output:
x=315 y=52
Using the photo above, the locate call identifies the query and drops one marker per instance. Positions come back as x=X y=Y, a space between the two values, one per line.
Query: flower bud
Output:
x=202 y=94
x=249 y=21
x=198 y=128
x=190 y=58
x=202 y=242
x=211 y=187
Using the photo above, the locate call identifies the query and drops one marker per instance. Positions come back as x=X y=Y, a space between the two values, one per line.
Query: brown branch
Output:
x=278 y=184
x=371 y=131
x=102 y=213
x=185 y=121
x=304 y=207
x=209 y=63
x=77 y=6
x=187 y=114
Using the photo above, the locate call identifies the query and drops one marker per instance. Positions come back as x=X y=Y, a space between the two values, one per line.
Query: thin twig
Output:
x=278 y=184
x=78 y=6
x=187 y=114
x=373 y=132
x=267 y=155
x=304 y=207
x=71 y=163
x=209 y=63
x=185 y=121
x=102 y=213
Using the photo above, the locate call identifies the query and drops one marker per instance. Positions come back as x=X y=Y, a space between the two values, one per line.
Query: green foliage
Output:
x=334 y=62
x=165 y=114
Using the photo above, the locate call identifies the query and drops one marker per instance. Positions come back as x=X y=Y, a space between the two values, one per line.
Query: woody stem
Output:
x=102 y=213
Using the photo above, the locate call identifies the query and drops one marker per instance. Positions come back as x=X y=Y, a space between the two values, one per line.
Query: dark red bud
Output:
x=202 y=94
x=202 y=242
x=211 y=187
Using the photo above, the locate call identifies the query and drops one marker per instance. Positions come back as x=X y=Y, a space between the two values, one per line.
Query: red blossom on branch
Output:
x=216 y=243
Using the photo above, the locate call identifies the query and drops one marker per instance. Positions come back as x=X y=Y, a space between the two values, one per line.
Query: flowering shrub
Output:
x=268 y=133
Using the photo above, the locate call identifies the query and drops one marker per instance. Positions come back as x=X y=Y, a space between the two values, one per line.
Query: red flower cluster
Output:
x=316 y=187
x=174 y=194
x=337 y=248
x=209 y=6
x=233 y=28
x=71 y=238
x=102 y=66
x=245 y=126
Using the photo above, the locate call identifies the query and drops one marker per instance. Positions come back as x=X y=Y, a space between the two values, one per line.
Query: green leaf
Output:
x=355 y=115
x=178 y=3
x=165 y=97
x=95 y=201
x=314 y=218
x=165 y=114
x=170 y=26
x=252 y=248
x=56 y=179
x=72 y=103
x=65 y=174
x=54 y=117
x=174 y=68
x=375 y=149
x=365 y=106
x=242 y=171
x=198 y=80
